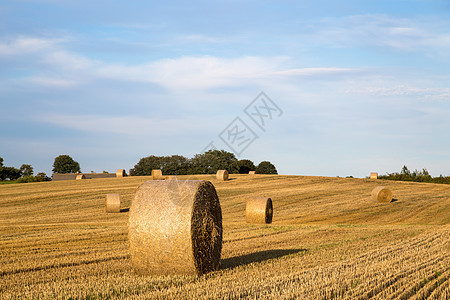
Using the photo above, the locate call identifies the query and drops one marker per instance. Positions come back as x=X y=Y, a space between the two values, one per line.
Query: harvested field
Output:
x=328 y=239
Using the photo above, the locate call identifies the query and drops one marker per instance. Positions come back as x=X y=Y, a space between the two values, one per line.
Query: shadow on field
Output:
x=125 y=209
x=394 y=200
x=256 y=257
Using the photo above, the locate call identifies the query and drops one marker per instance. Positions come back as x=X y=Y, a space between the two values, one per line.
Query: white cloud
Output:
x=412 y=35
x=25 y=45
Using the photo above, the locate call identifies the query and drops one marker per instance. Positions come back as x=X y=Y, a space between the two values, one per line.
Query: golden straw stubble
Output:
x=382 y=194
x=112 y=203
x=175 y=227
x=222 y=175
x=259 y=210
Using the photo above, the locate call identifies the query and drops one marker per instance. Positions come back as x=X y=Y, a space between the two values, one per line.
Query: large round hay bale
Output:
x=175 y=227
x=121 y=173
x=157 y=175
x=259 y=210
x=382 y=194
x=251 y=172
x=222 y=175
x=112 y=203
x=373 y=175
x=80 y=176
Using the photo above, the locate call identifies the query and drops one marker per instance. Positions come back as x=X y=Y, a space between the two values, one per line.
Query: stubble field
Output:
x=328 y=240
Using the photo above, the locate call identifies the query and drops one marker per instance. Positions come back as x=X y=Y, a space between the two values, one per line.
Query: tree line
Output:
x=24 y=174
x=416 y=176
x=205 y=163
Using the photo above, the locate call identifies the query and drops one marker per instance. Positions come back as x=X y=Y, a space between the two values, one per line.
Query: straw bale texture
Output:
x=121 y=173
x=175 y=227
x=222 y=175
x=382 y=194
x=373 y=175
x=112 y=203
x=251 y=172
x=80 y=176
x=259 y=210
x=157 y=174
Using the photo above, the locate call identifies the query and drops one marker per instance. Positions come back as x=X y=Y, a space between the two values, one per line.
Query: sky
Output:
x=329 y=88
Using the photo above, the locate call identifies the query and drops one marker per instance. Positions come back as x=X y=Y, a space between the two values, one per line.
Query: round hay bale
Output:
x=259 y=210
x=373 y=175
x=382 y=194
x=222 y=175
x=175 y=227
x=112 y=203
x=251 y=172
x=157 y=174
x=121 y=173
x=80 y=176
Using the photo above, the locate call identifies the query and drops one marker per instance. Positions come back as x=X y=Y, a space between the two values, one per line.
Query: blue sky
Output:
x=362 y=85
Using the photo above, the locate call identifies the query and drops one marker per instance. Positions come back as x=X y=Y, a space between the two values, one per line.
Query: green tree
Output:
x=1 y=168
x=213 y=160
x=27 y=170
x=266 y=167
x=246 y=165
x=11 y=173
x=175 y=165
x=146 y=165
x=65 y=164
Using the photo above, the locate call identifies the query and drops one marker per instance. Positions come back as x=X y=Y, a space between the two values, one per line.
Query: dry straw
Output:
x=175 y=227
x=157 y=174
x=171 y=177
x=222 y=175
x=251 y=172
x=259 y=210
x=80 y=176
x=382 y=194
x=112 y=203
x=121 y=173
x=373 y=175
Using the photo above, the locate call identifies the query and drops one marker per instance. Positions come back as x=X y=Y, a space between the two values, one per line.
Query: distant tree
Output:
x=42 y=176
x=65 y=164
x=175 y=165
x=27 y=170
x=266 y=167
x=213 y=160
x=246 y=165
x=146 y=165
x=10 y=173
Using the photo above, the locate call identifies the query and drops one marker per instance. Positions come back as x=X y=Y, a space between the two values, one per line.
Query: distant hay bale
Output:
x=259 y=210
x=80 y=176
x=175 y=227
x=373 y=175
x=121 y=173
x=222 y=175
x=382 y=194
x=171 y=177
x=252 y=172
x=157 y=174
x=112 y=203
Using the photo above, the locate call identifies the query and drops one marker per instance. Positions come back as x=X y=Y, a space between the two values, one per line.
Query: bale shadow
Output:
x=394 y=200
x=125 y=209
x=256 y=257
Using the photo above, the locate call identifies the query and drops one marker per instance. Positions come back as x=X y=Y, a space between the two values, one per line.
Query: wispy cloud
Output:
x=431 y=35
